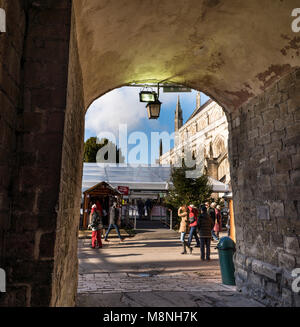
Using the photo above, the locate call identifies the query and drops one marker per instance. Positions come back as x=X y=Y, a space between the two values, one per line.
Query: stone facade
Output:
x=205 y=134
x=265 y=151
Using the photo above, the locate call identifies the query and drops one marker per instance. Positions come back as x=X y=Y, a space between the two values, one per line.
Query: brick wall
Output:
x=265 y=160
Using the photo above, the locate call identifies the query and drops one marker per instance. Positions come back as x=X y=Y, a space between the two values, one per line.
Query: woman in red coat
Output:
x=193 y=221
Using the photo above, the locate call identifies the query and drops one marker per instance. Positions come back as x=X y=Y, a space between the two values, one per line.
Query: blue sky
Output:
x=122 y=106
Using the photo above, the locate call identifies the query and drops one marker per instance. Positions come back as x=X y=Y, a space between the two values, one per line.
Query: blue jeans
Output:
x=109 y=229
x=182 y=237
x=205 y=247
x=193 y=232
x=214 y=236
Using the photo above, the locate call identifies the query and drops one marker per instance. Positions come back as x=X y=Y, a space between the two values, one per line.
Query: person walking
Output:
x=211 y=212
x=148 y=205
x=205 y=225
x=114 y=215
x=96 y=225
x=193 y=213
x=141 y=209
x=218 y=221
x=184 y=226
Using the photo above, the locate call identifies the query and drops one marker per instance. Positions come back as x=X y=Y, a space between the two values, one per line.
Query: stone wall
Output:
x=265 y=160
x=64 y=287
x=29 y=258
x=11 y=49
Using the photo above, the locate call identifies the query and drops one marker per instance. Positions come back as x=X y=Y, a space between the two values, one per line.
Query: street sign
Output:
x=124 y=190
x=168 y=89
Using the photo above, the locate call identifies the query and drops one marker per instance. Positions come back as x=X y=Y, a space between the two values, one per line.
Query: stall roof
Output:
x=136 y=177
x=102 y=188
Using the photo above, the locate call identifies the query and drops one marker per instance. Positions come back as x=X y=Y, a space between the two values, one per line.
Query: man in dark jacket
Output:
x=113 y=221
x=205 y=226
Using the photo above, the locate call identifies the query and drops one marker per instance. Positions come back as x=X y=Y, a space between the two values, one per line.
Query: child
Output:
x=96 y=226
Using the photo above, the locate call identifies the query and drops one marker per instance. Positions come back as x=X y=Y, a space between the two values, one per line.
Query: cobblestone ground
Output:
x=148 y=270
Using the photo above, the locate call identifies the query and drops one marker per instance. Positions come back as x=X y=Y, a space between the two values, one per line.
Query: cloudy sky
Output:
x=122 y=106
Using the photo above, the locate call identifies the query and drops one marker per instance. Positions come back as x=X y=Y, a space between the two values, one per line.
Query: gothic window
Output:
x=218 y=147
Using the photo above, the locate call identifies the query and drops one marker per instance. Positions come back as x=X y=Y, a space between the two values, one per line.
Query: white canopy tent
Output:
x=144 y=179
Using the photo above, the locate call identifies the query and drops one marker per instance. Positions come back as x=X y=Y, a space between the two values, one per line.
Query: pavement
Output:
x=147 y=270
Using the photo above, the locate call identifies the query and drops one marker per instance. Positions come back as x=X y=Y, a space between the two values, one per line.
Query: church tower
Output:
x=198 y=100
x=178 y=116
x=178 y=122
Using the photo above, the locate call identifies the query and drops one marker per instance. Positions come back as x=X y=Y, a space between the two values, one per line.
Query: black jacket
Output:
x=212 y=214
x=205 y=225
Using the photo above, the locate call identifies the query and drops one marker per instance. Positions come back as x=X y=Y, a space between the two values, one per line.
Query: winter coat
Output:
x=193 y=213
x=184 y=225
x=212 y=214
x=218 y=221
x=96 y=222
x=205 y=225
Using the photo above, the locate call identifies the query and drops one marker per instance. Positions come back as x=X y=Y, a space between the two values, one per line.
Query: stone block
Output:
x=291 y=245
x=241 y=274
x=296 y=161
x=286 y=260
x=40 y=295
x=263 y=212
x=263 y=140
x=46 y=246
x=272 y=289
x=265 y=269
x=276 y=240
x=295 y=177
x=239 y=259
x=249 y=261
x=276 y=208
x=283 y=165
x=266 y=129
x=287 y=297
x=253 y=134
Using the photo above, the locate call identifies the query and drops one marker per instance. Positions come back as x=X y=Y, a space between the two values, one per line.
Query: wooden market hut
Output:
x=99 y=191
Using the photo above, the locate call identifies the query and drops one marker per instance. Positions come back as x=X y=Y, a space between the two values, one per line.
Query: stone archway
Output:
x=59 y=63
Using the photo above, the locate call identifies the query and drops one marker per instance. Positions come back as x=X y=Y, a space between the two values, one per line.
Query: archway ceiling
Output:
x=232 y=50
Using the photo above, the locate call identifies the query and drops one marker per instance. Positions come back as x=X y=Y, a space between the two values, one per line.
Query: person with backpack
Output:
x=205 y=225
x=113 y=221
x=193 y=222
x=96 y=225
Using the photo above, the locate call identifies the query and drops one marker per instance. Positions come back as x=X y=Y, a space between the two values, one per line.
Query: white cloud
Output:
x=120 y=106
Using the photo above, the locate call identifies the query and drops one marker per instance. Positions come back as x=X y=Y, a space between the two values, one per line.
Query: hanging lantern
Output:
x=153 y=109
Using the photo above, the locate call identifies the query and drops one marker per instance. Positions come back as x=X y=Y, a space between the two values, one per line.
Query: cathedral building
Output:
x=205 y=134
